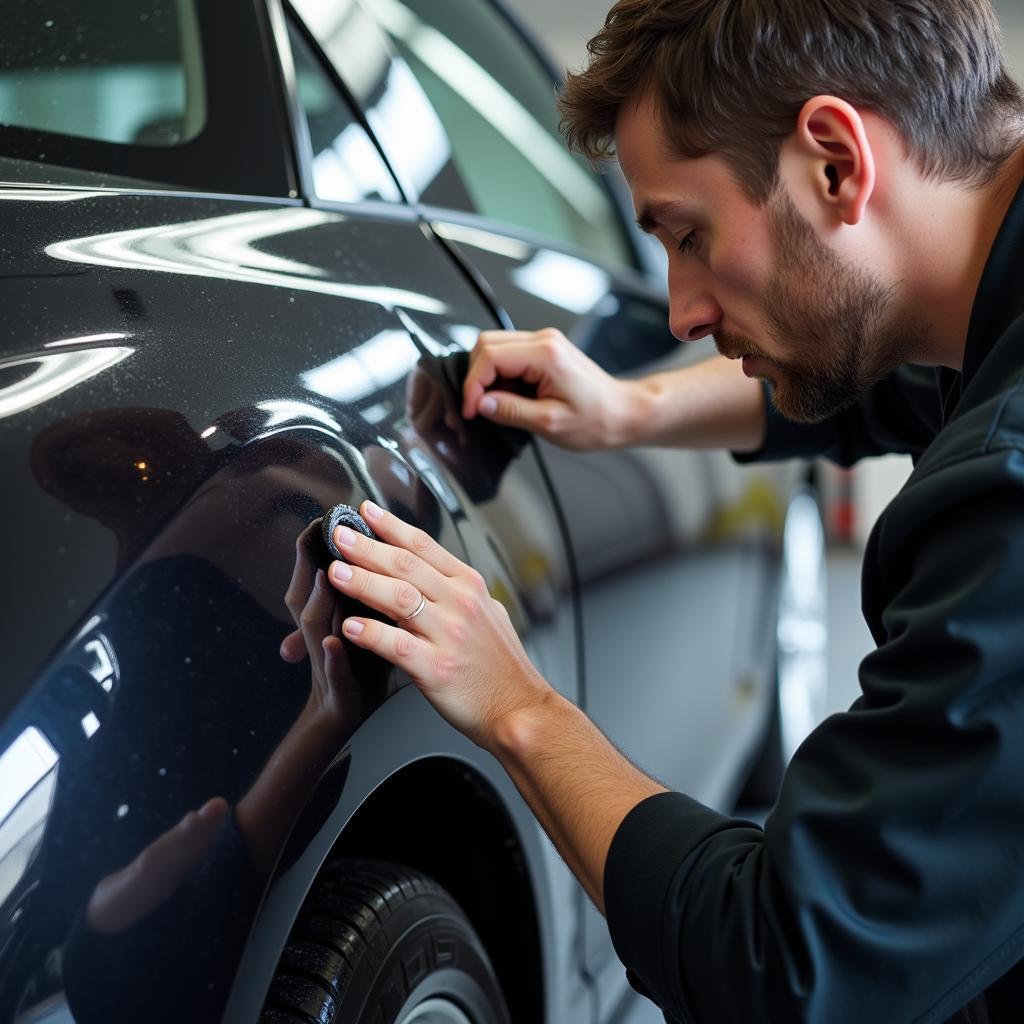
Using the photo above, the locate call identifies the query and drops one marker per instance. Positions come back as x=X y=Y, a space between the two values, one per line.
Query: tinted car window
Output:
x=344 y=162
x=113 y=72
x=171 y=92
x=497 y=105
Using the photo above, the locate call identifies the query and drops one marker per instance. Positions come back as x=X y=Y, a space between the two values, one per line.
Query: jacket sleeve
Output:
x=888 y=882
x=900 y=415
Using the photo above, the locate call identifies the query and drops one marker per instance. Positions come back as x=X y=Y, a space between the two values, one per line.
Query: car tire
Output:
x=376 y=942
x=801 y=666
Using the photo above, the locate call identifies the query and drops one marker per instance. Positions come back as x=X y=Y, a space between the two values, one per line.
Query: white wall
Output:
x=1011 y=14
x=564 y=26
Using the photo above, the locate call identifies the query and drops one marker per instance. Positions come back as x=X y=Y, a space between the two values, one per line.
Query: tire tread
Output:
x=341 y=939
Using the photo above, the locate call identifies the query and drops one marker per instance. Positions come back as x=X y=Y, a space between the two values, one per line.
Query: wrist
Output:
x=631 y=416
x=521 y=733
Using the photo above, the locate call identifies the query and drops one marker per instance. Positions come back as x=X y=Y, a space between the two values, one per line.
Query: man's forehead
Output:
x=638 y=133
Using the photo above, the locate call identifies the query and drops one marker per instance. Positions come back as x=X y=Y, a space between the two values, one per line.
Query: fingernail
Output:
x=353 y=627
x=373 y=511
x=341 y=572
x=344 y=537
x=488 y=406
x=211 y=809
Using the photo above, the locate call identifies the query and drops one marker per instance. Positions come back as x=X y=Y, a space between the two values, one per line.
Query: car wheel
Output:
x=801 y=648
x=381 y=943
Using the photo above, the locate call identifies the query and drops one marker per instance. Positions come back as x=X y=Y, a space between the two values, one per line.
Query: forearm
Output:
x=710 y=405
x=575 y=781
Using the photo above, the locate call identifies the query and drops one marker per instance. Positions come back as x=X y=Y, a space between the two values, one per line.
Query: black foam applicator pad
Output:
x=342 y=515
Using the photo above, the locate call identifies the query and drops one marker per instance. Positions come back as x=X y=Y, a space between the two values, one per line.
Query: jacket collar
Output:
x=999 y=302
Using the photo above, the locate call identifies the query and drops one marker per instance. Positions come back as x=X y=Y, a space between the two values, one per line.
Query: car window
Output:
x=116 y=72
x=497 y=104
x=167 y=93
x=383 y=88
x=344 y=163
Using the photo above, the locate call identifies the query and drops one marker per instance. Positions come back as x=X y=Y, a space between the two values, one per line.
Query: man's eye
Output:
x=687 y=242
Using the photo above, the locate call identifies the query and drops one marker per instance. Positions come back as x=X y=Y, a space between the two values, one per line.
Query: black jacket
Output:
x=887 y=885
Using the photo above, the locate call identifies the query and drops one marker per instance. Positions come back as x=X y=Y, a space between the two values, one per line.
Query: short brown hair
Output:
x=730 y=77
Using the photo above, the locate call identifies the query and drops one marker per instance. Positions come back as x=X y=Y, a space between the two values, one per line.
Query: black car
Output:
x=246 y=249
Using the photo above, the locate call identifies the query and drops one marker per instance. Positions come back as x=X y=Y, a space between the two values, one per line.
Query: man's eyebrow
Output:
x=653 y=214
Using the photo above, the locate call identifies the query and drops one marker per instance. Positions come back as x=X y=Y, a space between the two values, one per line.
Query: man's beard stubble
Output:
x=831 y=315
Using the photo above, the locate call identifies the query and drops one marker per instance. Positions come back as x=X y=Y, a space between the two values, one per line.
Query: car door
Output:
x=490 y=482
x=201 y=364
x=675 y=666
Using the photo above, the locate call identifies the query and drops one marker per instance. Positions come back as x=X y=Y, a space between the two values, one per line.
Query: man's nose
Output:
x=693 y=317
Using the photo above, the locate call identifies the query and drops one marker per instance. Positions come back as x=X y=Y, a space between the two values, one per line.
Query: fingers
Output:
x=395 y=598
x=293 y=647
x=302 y=574
x=336 y=666
x=392 y=643
x=393 y=577
x=538 y=415
x=507 y=359
x=317 y=616
x=508 y=354
x=406 y=553
x=342 y=695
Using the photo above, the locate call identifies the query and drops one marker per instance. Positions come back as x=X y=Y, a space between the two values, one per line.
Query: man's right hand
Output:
x=577 y=405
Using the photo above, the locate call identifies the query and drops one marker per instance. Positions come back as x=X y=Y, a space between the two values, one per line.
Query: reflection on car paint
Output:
x=43 y=195
x=86 y=339
x=224 y=248
x=491 y=241
x=281 y=412
x=375 y=364
x=54 y=374
x=573 y=284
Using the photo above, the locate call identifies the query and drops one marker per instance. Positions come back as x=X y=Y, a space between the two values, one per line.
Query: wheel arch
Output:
x=442 y=817
x=411 y=790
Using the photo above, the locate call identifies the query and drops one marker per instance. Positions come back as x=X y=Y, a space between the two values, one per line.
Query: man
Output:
x=836 y=185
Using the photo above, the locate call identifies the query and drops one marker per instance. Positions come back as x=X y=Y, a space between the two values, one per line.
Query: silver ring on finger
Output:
x=419 y=608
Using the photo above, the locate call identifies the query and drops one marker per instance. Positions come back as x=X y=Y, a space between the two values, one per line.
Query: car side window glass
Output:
x=345 y=164
x=386 y=92
x=112 y=72
x=497 y=105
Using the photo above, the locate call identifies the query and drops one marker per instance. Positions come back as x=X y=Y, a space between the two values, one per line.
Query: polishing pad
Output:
x=342 y=515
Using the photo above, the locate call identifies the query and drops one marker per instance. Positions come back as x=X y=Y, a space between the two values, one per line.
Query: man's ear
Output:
x=831 y=134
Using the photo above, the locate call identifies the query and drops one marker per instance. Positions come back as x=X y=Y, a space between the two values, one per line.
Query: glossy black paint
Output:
x=275 y=361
